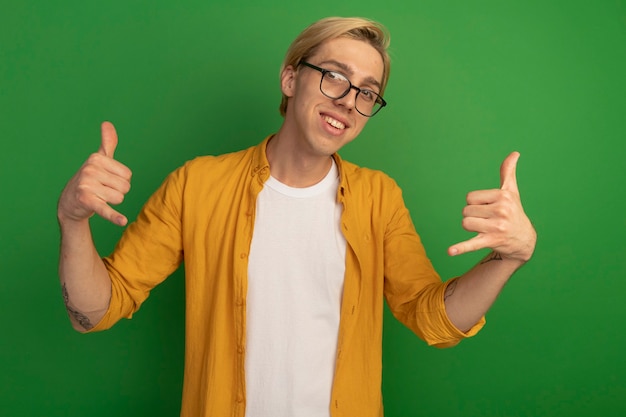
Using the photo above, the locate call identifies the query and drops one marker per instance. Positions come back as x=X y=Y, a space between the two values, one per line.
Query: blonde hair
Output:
x=329 y=28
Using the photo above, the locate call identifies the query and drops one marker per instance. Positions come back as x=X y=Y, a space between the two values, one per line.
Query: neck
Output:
x=292 y=166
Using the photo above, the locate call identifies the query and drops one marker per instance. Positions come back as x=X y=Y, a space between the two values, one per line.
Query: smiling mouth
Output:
x=334 y=123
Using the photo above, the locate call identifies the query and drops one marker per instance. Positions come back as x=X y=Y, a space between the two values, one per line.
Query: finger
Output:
x=471 y=245
x=483 y=211
x=108 y=194
x=115 y=217
x=100 y=170
x=122 y=172
x=116 y=177
x=109 y=139
x=508 y=180
x=479 y=225
x=106 y=212
x=483 y=197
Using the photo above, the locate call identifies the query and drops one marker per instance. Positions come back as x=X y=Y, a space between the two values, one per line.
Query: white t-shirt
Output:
x=295 y=283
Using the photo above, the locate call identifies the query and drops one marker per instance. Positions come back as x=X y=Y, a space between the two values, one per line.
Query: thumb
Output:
x=508 y=180
x=109 y=139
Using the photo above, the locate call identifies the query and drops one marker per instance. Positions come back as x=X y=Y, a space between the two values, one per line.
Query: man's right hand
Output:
x=99 y=182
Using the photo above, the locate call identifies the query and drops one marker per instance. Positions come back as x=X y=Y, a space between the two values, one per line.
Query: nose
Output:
x=348 y=100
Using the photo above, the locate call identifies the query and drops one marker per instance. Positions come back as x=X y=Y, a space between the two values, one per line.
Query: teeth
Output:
x=334 y=123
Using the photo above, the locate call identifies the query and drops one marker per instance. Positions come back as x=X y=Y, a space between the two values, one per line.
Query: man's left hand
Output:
x=499 y=219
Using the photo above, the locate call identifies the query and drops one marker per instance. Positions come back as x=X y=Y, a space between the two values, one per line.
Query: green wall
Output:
x=471 y=81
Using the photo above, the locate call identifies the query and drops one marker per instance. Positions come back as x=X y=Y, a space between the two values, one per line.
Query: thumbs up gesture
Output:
x=498 y=218
x=99 y=182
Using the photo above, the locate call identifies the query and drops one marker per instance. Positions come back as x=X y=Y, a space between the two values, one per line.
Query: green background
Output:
x=471 y=81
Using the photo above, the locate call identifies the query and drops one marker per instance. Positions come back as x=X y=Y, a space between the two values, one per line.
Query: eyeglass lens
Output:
x=335 y=85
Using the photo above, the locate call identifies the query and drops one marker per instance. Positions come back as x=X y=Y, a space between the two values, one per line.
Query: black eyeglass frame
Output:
x=379 y=98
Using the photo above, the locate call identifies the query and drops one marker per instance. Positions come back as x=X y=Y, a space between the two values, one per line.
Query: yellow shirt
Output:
x=203 y=214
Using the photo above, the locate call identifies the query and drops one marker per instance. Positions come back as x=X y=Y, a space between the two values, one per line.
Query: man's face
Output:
x=321 y=125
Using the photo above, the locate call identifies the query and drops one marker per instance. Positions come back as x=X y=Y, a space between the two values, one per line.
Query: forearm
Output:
x=85 y=282
x=469 y=297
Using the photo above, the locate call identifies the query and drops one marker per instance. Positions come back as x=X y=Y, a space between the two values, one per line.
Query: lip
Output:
x=336 y=117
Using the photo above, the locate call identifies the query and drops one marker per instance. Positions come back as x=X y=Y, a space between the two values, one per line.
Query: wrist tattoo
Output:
x=450 y=290
x=493 y=256
x=78 y=316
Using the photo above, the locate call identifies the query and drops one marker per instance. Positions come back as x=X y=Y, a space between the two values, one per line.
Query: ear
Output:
x=288 y=81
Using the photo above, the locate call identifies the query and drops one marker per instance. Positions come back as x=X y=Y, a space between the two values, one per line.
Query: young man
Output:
x=289 y=251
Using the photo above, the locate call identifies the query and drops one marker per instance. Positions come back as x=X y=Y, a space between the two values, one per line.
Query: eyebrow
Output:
x=348 y=70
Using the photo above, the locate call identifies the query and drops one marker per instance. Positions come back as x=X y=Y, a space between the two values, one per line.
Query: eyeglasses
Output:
x=335 y=85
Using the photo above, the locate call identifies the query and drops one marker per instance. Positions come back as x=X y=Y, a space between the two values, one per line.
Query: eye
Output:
x=336 y=77
x=368 y=95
